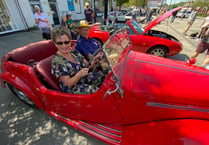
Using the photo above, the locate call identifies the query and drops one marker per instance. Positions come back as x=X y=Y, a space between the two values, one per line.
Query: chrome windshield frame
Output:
x=122 y=40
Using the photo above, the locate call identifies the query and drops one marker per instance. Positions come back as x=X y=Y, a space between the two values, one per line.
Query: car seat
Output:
x=44 y=69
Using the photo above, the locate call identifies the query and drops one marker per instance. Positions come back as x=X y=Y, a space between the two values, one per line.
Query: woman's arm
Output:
x=71 y=81
x=36 y=21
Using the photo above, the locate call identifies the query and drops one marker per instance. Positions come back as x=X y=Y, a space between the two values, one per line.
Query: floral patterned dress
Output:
x=86 y=85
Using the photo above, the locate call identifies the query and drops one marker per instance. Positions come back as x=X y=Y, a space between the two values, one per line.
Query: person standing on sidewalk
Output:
x=174 y=15
x=43 y=23
x=89 y=14
x=149 y=16
x=63 y=21
x=71 y=26
x=202 y=47
x=204 y=25
x=191 y=19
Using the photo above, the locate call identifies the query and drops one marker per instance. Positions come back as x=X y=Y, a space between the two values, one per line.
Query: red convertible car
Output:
x=143 y=99
x=145 y=40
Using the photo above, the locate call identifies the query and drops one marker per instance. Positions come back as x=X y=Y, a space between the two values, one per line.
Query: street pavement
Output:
x=189 y=45
x=21 y=125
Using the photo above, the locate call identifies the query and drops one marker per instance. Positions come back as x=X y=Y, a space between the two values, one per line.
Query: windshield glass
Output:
x=114 y=47
x=136 y=26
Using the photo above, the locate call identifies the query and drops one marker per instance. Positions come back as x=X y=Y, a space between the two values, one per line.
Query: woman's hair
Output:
x=59 y=31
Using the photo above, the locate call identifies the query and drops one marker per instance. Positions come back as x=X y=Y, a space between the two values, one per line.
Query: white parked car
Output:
x=183 y=13
x=128 y=16
x=116 y=15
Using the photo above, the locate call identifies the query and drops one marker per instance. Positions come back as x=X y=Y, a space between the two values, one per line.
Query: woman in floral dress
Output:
x=69 y=66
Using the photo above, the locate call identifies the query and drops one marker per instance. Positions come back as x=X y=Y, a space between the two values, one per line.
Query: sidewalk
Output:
x=18 y=39
x=189 y=45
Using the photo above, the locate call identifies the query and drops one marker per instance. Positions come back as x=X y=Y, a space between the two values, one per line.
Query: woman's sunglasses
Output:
x=61 y=43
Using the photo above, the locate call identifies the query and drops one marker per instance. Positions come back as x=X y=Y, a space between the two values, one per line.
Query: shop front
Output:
x=17 y=15
x=6 y=22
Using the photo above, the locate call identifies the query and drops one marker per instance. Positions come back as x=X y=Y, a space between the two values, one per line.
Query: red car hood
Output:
x=160 y=18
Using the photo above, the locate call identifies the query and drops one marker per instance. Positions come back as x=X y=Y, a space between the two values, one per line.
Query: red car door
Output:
x=90 y=107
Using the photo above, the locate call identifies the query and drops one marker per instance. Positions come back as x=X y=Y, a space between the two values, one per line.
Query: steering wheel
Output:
x=97 y=67
x=93 y=55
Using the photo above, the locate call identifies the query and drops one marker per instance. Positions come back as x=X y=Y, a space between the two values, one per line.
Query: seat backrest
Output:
x=34 y=51
x=44 y=69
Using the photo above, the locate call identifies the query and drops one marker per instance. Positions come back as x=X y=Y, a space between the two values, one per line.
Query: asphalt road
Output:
x=21 y=125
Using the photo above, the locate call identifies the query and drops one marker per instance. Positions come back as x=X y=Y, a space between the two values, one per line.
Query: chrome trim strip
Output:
x=170 y=106
x=98 y=128
x=90 y=129
x=66 y=118
x=171 y=66
x=110 y=128
x=117 y=141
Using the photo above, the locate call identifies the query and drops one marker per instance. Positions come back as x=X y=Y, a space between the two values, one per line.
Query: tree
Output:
x=137 y=3
x=201 y=3
x=121 y=2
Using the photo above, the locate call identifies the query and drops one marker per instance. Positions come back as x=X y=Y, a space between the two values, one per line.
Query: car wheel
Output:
x=99 y=42
x=22 y=96
x=158 y=51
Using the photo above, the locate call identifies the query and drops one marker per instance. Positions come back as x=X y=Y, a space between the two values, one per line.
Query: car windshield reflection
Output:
x=137 y=27
x=114 y=47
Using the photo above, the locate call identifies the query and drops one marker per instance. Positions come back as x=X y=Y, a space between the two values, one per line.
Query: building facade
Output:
x=16 y=15
x=154 y=3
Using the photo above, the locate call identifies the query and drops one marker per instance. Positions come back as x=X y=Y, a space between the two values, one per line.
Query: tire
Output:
x=99 y=42
x=158 y=51
x=22 y=96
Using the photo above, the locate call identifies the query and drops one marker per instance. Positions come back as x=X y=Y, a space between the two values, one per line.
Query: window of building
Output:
x=77 y=6
x=6 y=22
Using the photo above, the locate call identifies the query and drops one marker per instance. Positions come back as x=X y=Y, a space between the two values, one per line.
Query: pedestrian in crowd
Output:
x=85 y=45
x=134 y=14
x=162 y=11
x=63 y=21
x=142 y=12
x=183 y=13
x=89 y=13
x=202 y=47
x=71 y=26
x=149 y=16
x=191 y=19
x=43 y=23
x=70 y=67
x=204 y=24
x=174 y=15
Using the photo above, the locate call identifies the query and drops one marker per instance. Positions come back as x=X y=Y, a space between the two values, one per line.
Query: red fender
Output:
x=169 y=132
x=18 y=83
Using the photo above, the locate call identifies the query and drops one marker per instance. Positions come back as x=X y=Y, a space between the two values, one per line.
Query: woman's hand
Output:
x=83 y=72
x=96 y=60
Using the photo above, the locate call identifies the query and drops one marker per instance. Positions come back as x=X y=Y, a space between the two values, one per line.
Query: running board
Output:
x=107 y=133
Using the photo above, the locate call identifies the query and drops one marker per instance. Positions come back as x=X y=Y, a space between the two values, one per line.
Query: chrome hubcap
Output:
x=158 y=52
x=22 y=96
